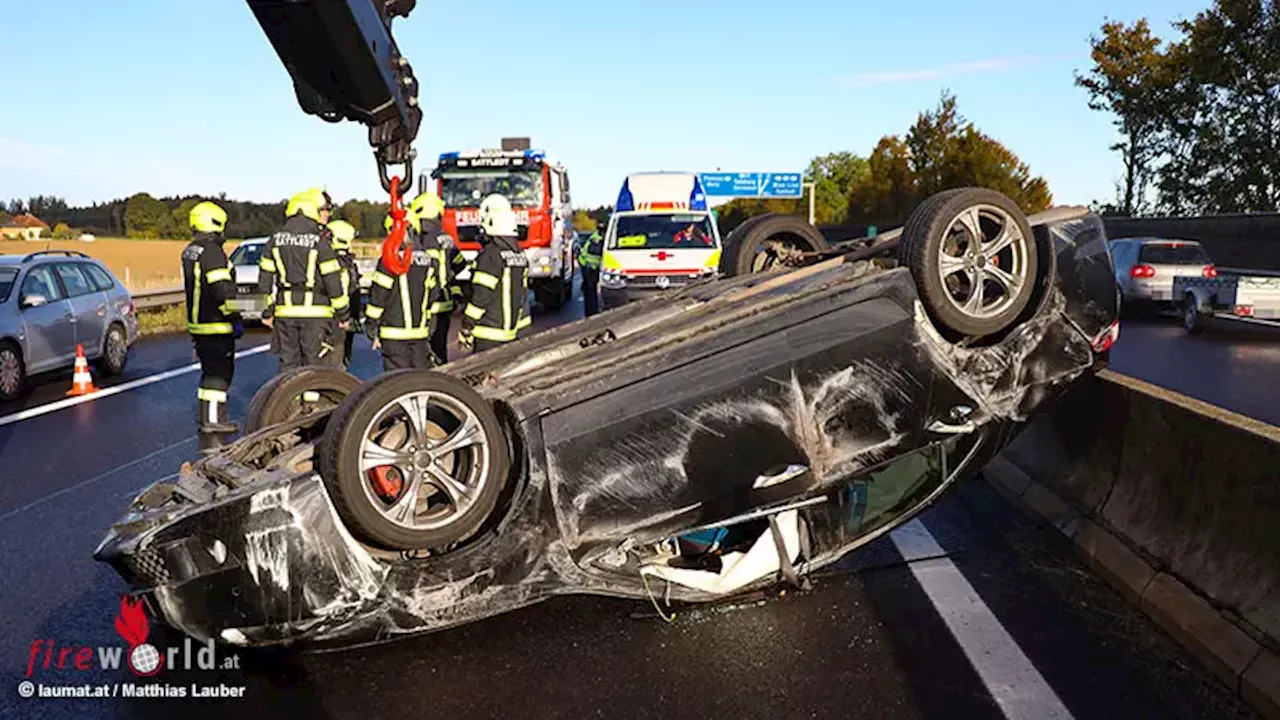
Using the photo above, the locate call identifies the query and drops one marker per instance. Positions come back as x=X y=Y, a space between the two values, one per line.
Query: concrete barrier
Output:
x=1177 y=504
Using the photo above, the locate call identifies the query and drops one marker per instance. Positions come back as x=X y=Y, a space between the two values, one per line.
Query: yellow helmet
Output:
x=207 y=217
x=343 y=233
x=427 y=206
x=309 y=203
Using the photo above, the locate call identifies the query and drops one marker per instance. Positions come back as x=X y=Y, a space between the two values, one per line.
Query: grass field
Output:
x=140 y=264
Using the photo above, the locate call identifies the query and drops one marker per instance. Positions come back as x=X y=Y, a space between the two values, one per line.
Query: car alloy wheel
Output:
x=983 y=261
x=10 y=372
x=117 y=350
x=425 y=458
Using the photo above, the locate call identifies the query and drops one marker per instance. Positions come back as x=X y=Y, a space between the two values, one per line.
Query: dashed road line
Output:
x=114 y=390
x=1008 y=674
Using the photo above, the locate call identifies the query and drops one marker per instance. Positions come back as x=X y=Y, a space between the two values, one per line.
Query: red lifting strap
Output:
x=396 y=253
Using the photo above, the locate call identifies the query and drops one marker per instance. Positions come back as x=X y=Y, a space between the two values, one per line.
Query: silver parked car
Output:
x=244 y=263
x=1146 y=267
x=50 y=302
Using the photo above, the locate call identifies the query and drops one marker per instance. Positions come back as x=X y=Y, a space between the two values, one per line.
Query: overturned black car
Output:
x=729 y=435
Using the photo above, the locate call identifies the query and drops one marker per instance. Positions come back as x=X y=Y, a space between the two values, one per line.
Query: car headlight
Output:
x=612 y=280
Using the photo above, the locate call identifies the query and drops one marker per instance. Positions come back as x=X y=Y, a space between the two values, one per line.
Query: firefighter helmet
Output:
x=343 y=234
x=427 y=206
x=496 y=217
x=310 y=203
x=206 y=217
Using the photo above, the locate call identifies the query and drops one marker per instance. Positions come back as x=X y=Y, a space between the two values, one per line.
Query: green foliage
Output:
x=147 y=218
x=62 y=231
x=1199 y=115
x=182 y=219
x=367 y=217
x=583 y=222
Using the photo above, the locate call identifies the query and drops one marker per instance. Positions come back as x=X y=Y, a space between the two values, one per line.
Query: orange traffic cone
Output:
x=82 y=383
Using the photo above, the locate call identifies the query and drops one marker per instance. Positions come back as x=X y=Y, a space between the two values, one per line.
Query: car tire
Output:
x=115 y=351
x=297 y=392
x=449 y=412
x=1192 y=318
x=13 y=372
x=932 y=237
x=751 y=240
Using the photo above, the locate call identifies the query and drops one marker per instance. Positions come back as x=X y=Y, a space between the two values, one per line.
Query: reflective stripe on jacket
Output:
x=300 y=274
x=209 y=285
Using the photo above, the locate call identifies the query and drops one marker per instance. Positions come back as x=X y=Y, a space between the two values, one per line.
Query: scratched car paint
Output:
x=627 y=429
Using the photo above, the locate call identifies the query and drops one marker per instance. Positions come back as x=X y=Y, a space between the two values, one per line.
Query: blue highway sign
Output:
x=752 y=184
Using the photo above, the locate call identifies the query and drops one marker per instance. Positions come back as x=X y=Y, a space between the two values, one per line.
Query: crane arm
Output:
x=345 y=66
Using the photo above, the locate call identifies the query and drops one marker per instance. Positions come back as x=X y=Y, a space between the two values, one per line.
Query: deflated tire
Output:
x=414 y=460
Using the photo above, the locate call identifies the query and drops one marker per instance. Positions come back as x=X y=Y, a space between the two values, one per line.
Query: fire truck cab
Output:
x=539 y=193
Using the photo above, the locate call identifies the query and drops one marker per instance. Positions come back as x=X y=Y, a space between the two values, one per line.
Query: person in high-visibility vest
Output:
x=499 y=309
x=398 y=316
x=302 y=278
x=212 y=321
x=343 y=234
x=427 y=209
x=590 y=252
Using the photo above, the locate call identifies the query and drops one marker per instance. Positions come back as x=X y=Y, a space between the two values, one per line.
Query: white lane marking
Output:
x=96 y=478
x=115 y=389
x=1015 y=684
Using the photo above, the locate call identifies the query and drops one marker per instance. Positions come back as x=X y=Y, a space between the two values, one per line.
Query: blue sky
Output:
x=109 y=98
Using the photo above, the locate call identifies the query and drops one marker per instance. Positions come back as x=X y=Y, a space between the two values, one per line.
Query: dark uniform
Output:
x=398 y=316
x=590 y=252
x=499 y=308
x=302 y=277
x=350 y=284
x=448 y=291
x=212 y=322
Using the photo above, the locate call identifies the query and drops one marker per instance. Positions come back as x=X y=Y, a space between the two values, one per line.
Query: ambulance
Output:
x=662 y=235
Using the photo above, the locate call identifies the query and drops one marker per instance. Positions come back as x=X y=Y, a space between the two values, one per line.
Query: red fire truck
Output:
x=539 y=193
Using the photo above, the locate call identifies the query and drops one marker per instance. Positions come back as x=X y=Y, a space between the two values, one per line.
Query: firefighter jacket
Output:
x=499 y=307
x=209 y=285
x=300 y=273
x=351 y=283
x=449 y=262
x=400 y=305
x=590 y=251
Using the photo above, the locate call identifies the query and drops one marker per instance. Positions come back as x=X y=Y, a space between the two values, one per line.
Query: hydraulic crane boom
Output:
x=345 y=66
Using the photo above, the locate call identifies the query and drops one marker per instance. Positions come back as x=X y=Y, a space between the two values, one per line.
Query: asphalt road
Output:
x=1232 y=365
x=997 y=619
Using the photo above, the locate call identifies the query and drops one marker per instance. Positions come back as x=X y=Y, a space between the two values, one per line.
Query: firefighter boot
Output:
x=214 y=427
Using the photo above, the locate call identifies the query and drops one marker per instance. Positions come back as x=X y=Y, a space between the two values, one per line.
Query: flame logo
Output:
x=131 y=623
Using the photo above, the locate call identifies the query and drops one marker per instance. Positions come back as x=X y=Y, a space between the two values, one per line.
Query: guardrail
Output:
x=151 y=299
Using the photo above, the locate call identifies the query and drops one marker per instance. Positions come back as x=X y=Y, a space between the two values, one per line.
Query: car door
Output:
x=48 y=321
x=89 y=306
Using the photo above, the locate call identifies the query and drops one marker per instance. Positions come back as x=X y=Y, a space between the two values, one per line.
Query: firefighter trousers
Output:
x=440 y=337
x=482 y=345
x=405 y=354
x=305 y=342
x=217 y=356
x=591 y=291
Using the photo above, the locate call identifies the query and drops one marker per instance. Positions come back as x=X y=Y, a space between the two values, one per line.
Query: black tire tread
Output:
x=287 y=385
x=741 y=248
x=22 y=369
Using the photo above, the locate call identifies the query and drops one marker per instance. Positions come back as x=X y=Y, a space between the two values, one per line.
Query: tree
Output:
x=62 y=231
x=1131 y=79
x=147 y=218
x=836 y=176
x=583 y=222
x=181 y=222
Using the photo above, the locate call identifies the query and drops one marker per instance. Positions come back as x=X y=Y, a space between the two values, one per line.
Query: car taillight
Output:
x=1142 y=271
x=1107 y=338
x=1244 y=310
x=1210 y=271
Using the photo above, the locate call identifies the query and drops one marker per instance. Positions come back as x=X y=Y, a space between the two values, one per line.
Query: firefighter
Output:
x=426 y=209
x=590 y=252
x=398 y=317
x=302 y=278
x=343 y=234
x=212 y=321
x=499 y=308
